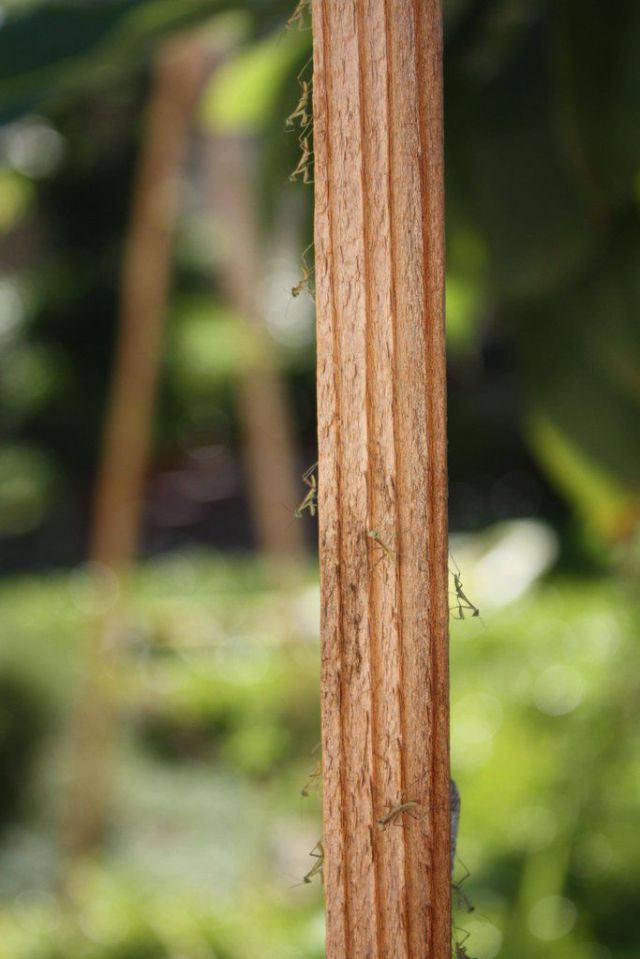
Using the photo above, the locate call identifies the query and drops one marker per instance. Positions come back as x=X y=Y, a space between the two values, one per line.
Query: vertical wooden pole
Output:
x=179 y=74
x=178 y=77
x=273 y=476
x=379 y=243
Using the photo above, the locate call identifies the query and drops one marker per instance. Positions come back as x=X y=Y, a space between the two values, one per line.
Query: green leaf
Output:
x=243 y=94
x=61 y=47
x=596 y=70
x=510 y=176
x=579 y=352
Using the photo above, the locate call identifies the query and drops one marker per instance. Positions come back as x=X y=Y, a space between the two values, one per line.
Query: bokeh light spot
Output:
x=558 y=690
x=552 y=917
x=93 y=587
x=534 y=826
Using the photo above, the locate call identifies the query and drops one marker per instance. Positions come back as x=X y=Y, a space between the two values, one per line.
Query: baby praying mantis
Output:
x=298 y=17
x=455 y=807
x=387 y=552
x=310 y=500
x=463 y=900
x=460 y=948
x=318 y=854
x=463 y=601
x=302 y=112
x=303 y=117
x=394 y=812
x=313 y=780
x=303 y=166
x=307 y=273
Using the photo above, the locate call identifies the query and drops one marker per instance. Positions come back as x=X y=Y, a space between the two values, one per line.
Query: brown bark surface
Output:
x=178 y=77
x=379 y=246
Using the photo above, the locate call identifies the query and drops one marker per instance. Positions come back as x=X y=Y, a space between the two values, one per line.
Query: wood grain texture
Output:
x=379 y=246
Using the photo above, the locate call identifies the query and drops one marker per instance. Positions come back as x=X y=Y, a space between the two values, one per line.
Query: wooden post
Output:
x=379 y=244
x=273 y=476
x=177 y=80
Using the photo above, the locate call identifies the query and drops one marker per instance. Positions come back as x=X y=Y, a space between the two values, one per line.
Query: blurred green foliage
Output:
x=252 y=718
x=209 y=834
x=26 y=481
x=543 y=124
x=219 y=698
x=242 y=97
x=543 y=133
x=23 y=717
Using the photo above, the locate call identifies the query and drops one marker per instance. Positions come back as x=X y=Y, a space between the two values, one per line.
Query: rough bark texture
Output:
x=379 y=246
x=178 y=77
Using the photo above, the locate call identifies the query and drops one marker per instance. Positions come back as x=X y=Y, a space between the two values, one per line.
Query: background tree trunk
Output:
x=271 y=469
x=379 y=244
x=177 y=80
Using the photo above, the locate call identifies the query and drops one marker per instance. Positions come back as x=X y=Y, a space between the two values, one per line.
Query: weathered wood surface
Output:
x=379 y=248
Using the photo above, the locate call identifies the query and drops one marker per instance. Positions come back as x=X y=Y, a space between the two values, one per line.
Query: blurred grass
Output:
x=219 y=702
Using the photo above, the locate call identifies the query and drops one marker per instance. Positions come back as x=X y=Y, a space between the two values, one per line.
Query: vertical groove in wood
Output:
x=379 y=239
x=337 y=909
x=428 y=60
x=385 y=586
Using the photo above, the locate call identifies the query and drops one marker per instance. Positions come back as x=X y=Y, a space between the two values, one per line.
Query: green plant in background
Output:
x=16 y=193
x=221 y=720
x=26 y=481
x=208 y=844
x=542 y=218
x=253 y=717
x=23 y=716
x=543 y=750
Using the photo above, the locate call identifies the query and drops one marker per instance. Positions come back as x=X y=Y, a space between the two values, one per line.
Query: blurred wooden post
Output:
x=178 y=77
x=379 y=247
x=272 y=473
